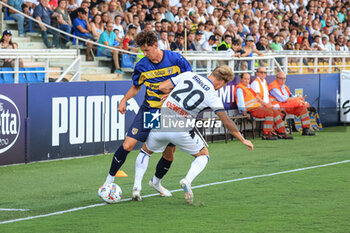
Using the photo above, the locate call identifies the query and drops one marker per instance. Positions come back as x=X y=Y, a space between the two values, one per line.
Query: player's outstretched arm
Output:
x=232 y=128
x=166 y=86
x=130 y=94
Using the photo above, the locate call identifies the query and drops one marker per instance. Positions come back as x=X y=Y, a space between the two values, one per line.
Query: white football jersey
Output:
x=191 y=94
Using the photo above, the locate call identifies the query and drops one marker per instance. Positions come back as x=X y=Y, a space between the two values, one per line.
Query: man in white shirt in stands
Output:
x=209 y=45
x=117 y=25
x=163 y=43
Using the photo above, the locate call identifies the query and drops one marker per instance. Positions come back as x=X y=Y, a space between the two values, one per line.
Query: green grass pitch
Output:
x=314 y=200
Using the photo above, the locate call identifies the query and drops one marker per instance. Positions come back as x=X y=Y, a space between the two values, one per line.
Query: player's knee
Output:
x=168 y=156
x=128 y=146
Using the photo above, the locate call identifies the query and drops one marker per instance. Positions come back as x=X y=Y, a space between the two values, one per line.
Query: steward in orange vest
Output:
x=280 y=94
x=248 y=101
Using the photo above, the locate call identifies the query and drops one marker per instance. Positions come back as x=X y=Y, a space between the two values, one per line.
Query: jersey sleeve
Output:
x=136 y=77
x=184 y=64
x=175 y=80
x=214 y=102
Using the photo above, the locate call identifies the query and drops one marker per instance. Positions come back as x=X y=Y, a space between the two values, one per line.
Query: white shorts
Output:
x=157 y=141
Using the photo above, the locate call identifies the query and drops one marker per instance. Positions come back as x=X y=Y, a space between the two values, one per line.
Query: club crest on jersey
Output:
x=151 y=120
x=170 y=70
x=134 y=131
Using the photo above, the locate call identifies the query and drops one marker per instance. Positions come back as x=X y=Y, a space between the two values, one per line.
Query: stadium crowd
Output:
x=243 y=25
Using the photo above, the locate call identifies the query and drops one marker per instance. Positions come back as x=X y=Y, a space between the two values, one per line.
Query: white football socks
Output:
x=156 y=181
x=141 y=165
x=110 y=179
x=197 y=167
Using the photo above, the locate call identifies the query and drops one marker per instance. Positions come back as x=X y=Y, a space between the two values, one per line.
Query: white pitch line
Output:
x=175 y=190
x=5 y=209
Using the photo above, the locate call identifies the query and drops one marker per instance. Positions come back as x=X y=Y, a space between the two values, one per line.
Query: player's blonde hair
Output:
x=223 y=72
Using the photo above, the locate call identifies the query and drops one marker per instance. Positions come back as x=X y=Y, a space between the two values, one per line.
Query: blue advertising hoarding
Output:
x=329 y=99
x=74 y=119
x=65 y=119
x=13 y=110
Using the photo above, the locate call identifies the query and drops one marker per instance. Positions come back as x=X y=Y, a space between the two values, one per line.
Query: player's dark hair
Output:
x=146 y=37
x=223 y=72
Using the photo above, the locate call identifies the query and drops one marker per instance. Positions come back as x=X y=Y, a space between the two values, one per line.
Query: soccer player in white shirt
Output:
x=190 y=94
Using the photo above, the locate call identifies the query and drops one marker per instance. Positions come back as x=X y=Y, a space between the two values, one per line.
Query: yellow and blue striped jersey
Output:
x=151 y=75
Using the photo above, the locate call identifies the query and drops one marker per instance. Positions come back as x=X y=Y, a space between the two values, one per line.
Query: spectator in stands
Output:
x=72 y=6
x=249 y=102
x=197 y=41
x=180 y=17
x=190 y=40
x=6 y=43
x=194 y=21
x=170 y=15
x=316 y=45
x=263 y=44
x=163 y=43
x=341 y=42
x=237 y=51
x=305 y=45
x=221 y=29
x=276 y=45
x=179 y=44
x=180 y=28
x=118 y=25
x=171 y=38
x=210 y=44
x=109 y=38
x=128 y=16
x=226 y=44
x=17 y=4
x=165 y=25
x=43 y=13
x=85 y=5
x=113 y=11
x=249 y=48
x=64 y=23
x=93 y=12
x=129 y=39
x=97 y=26
x=296 y=105
x=82 y=28
x=208 y=30
x=158 y=29
x=105 y=18
x=95 y=3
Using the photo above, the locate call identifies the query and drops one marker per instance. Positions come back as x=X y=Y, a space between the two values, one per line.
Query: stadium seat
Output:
x=32 y=77
x=74 y=40
x=8 y=77
x=7 y=15
x=347 y=65
x=1 y=79
x=40 y=76
x=21 y=77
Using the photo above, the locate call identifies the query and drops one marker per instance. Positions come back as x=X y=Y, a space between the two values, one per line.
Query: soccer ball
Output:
x=110 y=193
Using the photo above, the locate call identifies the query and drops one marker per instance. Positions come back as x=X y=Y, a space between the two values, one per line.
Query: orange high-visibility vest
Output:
x=261 y=94
x=274 y=85
x=249 y=96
